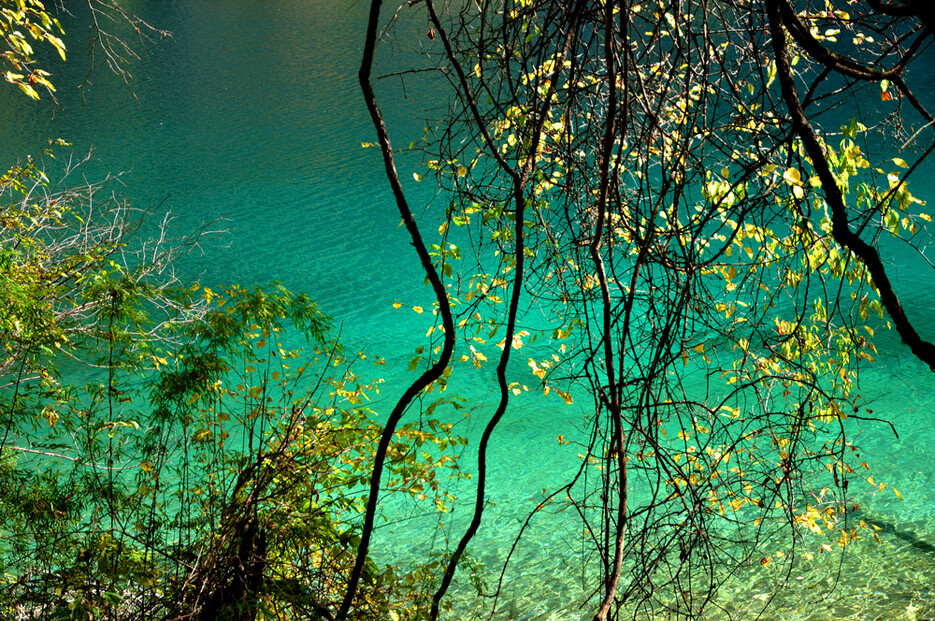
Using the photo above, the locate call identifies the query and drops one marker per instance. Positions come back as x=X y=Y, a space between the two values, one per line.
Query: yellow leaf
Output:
x=417 y=309
x=900 y=162
x=792 y=176
x=28 y=90
x=397 y=305
x=417 y=177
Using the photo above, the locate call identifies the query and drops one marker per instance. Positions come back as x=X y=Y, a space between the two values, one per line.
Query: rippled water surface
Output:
x=250 y=114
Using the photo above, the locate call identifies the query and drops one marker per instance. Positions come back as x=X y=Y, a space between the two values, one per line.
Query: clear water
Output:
x=251 y=114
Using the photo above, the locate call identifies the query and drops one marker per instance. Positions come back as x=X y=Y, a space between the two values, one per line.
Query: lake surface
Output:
x=251 y=115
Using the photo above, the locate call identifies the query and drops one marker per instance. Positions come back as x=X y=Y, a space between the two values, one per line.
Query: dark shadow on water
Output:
x=898 y=531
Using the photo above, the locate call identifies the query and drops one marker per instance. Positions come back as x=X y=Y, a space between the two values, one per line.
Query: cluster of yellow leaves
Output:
x=20 y=19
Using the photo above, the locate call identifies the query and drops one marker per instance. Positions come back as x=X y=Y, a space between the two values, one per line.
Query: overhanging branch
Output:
x=840 y=229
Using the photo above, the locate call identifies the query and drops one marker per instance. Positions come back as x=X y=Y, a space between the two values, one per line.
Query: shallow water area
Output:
x=251 y=114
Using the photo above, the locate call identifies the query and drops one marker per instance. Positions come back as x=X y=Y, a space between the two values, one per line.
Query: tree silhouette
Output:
x=684 y=186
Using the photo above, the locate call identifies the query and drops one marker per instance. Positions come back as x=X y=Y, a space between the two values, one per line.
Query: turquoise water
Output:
x=251 y=115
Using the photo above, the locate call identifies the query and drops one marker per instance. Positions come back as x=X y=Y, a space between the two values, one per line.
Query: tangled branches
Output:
x=707 y=253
